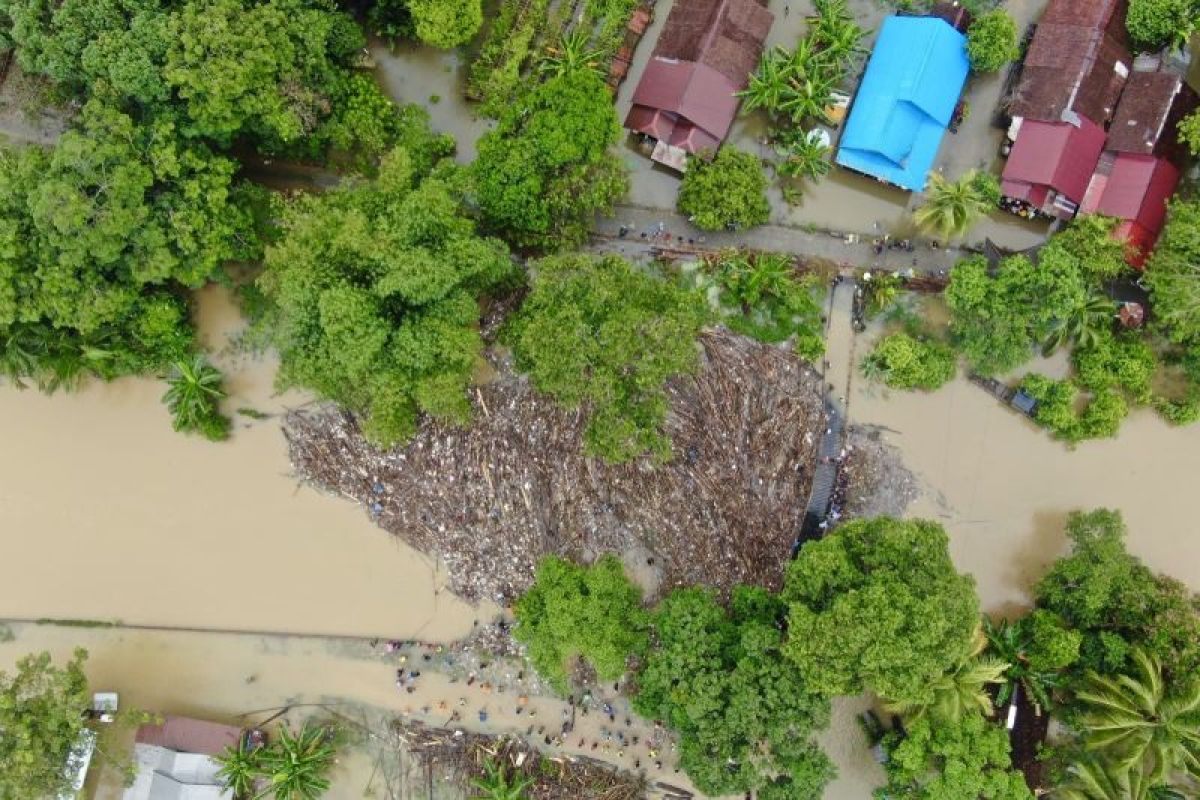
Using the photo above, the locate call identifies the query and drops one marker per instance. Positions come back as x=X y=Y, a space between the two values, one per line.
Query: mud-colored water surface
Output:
x=106 y=513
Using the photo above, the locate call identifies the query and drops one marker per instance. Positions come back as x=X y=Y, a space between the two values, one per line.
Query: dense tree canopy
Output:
x=952 y=761
x=728 y=191
x=742 y=711
x=878 y=605
x=546 y=169
x=446 y=23
x=591 y=612
x=41 y=718
x=992 y=41
x=375 y=289
x=597 y=332
x=1116 y=602
x=98 y=234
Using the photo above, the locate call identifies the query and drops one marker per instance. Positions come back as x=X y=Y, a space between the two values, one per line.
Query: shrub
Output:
x=1154 y=23
x=903 y=362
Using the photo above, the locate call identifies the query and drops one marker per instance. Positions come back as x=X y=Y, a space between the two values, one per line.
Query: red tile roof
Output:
x=1148 y=115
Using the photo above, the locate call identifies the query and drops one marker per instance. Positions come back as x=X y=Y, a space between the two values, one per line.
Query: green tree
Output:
x=904 y=362
x=1189 y=132
x=591 y=612
x=836 y=35
x=878 y=605
x=1123 y=362
x=1155 y=23
x=1173 y=273
x=952 y=207
x=1037 y=649
x=1090 y=240
x=547 y=168
x=499 y=783
x=446 y=23
x=1143 y=719
x=743 y=712
x=375 y=288
x=940 y=761
x=1085 y=324
x=962 y=691
x=806 y=155
x=296 y=766
x=992 y=41
x=41 y=716
x=1116 y=602
x=193 y=396
x=728 y=192
x=595 y=332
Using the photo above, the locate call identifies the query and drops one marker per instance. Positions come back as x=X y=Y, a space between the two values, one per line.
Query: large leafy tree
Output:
x=547 y=168
x=1143 y=719
x=41 y=718
x=99 y=235
x=375 y=291
x=951 y=761
x=597 y=333
x=591 y=612
x=728 y=192
x=878 y=605
x=446 y=23
x=904 y=362
x=743 y=712
x=1116 y=602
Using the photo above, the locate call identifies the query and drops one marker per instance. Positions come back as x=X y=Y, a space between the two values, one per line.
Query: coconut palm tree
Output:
x=296 y=766
x=498 y=784
x=952 y=207
x=1086 y=323
x=1141 y=720
x=962 y=690
x=241 y=767
x=569 y=54
x=1092 y=779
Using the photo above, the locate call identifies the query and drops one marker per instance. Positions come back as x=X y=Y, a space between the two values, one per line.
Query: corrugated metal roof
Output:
x=1138 y=189
x=1149 y=113
x=187 y=735
x=1056 y=155
x=907 y=98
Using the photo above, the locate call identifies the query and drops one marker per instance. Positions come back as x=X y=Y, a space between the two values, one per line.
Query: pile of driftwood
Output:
x=491 y=499
x=454 y=758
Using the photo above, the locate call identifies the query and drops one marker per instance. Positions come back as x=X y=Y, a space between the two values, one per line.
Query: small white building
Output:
x=175 y=760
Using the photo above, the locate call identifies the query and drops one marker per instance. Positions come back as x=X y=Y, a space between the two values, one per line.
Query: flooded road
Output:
x=107 y=513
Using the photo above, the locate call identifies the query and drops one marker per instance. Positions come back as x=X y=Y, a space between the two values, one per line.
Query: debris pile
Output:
x=491 y=499
x=873 y=480
x=456 y=756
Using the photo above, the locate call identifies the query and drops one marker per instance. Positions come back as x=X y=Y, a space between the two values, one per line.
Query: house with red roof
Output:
x=1072 y=78
x=1141 y=165
x=686 y=99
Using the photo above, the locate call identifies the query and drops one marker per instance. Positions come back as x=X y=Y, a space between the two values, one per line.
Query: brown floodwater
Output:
x=106 y=513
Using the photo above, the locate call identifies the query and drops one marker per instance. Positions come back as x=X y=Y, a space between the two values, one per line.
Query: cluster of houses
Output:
x=1093 y=129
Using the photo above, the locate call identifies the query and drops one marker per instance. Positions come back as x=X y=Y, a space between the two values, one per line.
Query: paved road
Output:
x=843 y=249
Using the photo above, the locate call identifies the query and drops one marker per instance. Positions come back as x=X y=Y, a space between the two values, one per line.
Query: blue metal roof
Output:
x=906 y=100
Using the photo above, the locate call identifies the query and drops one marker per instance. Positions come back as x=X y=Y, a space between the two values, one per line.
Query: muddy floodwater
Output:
x=106 y=513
